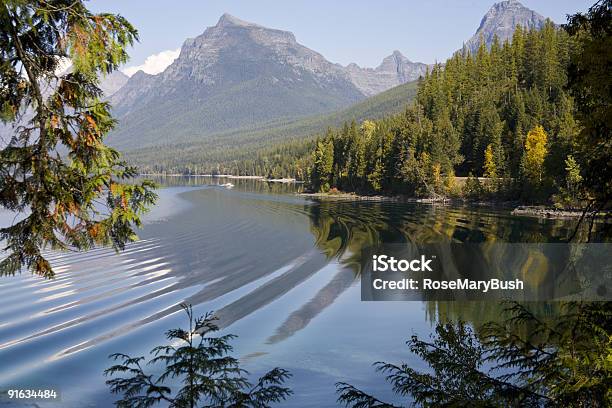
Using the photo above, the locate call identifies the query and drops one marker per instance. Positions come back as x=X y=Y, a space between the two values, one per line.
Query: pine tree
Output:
x=209 y=376
x=357 y=165
x=563 y=363
x=56 y=171
x=473 y=105
x=590 y=85
x=473 y=188
x=323 y=165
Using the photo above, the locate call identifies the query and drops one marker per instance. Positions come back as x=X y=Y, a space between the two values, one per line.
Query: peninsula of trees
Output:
x=504 y=115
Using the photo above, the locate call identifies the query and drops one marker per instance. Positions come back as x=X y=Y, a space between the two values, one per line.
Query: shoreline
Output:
x=546 y=212
x=227 y=176
x=517 y=209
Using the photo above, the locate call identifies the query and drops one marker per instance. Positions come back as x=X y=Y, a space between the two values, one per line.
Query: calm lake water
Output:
x=278 y=269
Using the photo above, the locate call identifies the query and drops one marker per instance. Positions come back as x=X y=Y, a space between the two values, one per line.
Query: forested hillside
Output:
x=207 y=113
x=502 y=113
x=276 y=149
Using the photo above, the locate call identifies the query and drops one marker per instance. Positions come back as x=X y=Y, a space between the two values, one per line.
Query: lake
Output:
x=278 y=269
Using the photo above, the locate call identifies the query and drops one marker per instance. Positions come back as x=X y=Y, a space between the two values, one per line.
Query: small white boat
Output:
x=227 y=185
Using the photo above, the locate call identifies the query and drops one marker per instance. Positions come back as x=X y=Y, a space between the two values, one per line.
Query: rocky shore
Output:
x=546 y=212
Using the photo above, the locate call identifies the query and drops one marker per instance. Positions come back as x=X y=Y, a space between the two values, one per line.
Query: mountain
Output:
x=181 y=144
x=393 y=71
x=233 y=75
x=501 y=20
x=223 y=149
x=112 y=82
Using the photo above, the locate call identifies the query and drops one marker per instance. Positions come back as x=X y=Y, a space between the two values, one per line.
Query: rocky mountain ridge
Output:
x=233 y=75
x=394 y=70
x=501 y=21
x=198 y=56
x=112 y=82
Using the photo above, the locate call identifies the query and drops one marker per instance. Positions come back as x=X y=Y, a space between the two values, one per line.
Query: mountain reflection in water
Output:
x=268 y=262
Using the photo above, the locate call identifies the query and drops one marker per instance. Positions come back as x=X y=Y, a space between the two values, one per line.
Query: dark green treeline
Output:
x=284 y=159
x=503 y=113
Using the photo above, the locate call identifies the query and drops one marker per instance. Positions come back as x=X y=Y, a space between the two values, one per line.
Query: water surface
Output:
x=280 y=270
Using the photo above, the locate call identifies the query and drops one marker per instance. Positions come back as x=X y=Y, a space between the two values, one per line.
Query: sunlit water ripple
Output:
x=276 y=269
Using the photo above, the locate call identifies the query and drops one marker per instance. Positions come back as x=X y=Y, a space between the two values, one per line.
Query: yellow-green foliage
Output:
x=573 y=177
x=368 y=128
x=490 y=169
x=535 y=154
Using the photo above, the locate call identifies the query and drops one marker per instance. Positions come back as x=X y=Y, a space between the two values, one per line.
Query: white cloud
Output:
x=154 y=64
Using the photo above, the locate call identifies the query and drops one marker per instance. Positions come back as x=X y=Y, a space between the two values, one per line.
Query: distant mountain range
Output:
x=112 y=82
x=223 y=148
x=393 y=71
x=239 y=76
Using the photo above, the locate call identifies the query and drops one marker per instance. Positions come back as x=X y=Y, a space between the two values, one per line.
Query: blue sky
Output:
x=343 y=31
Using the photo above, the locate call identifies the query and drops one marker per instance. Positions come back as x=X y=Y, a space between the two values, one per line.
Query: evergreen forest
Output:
x=503 y=118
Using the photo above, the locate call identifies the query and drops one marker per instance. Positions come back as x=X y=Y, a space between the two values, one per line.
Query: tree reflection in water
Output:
x=345 y=231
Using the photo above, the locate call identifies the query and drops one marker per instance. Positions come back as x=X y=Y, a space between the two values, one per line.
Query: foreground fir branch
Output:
x=68 y=189
x=209 y=376
x=566 y=363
